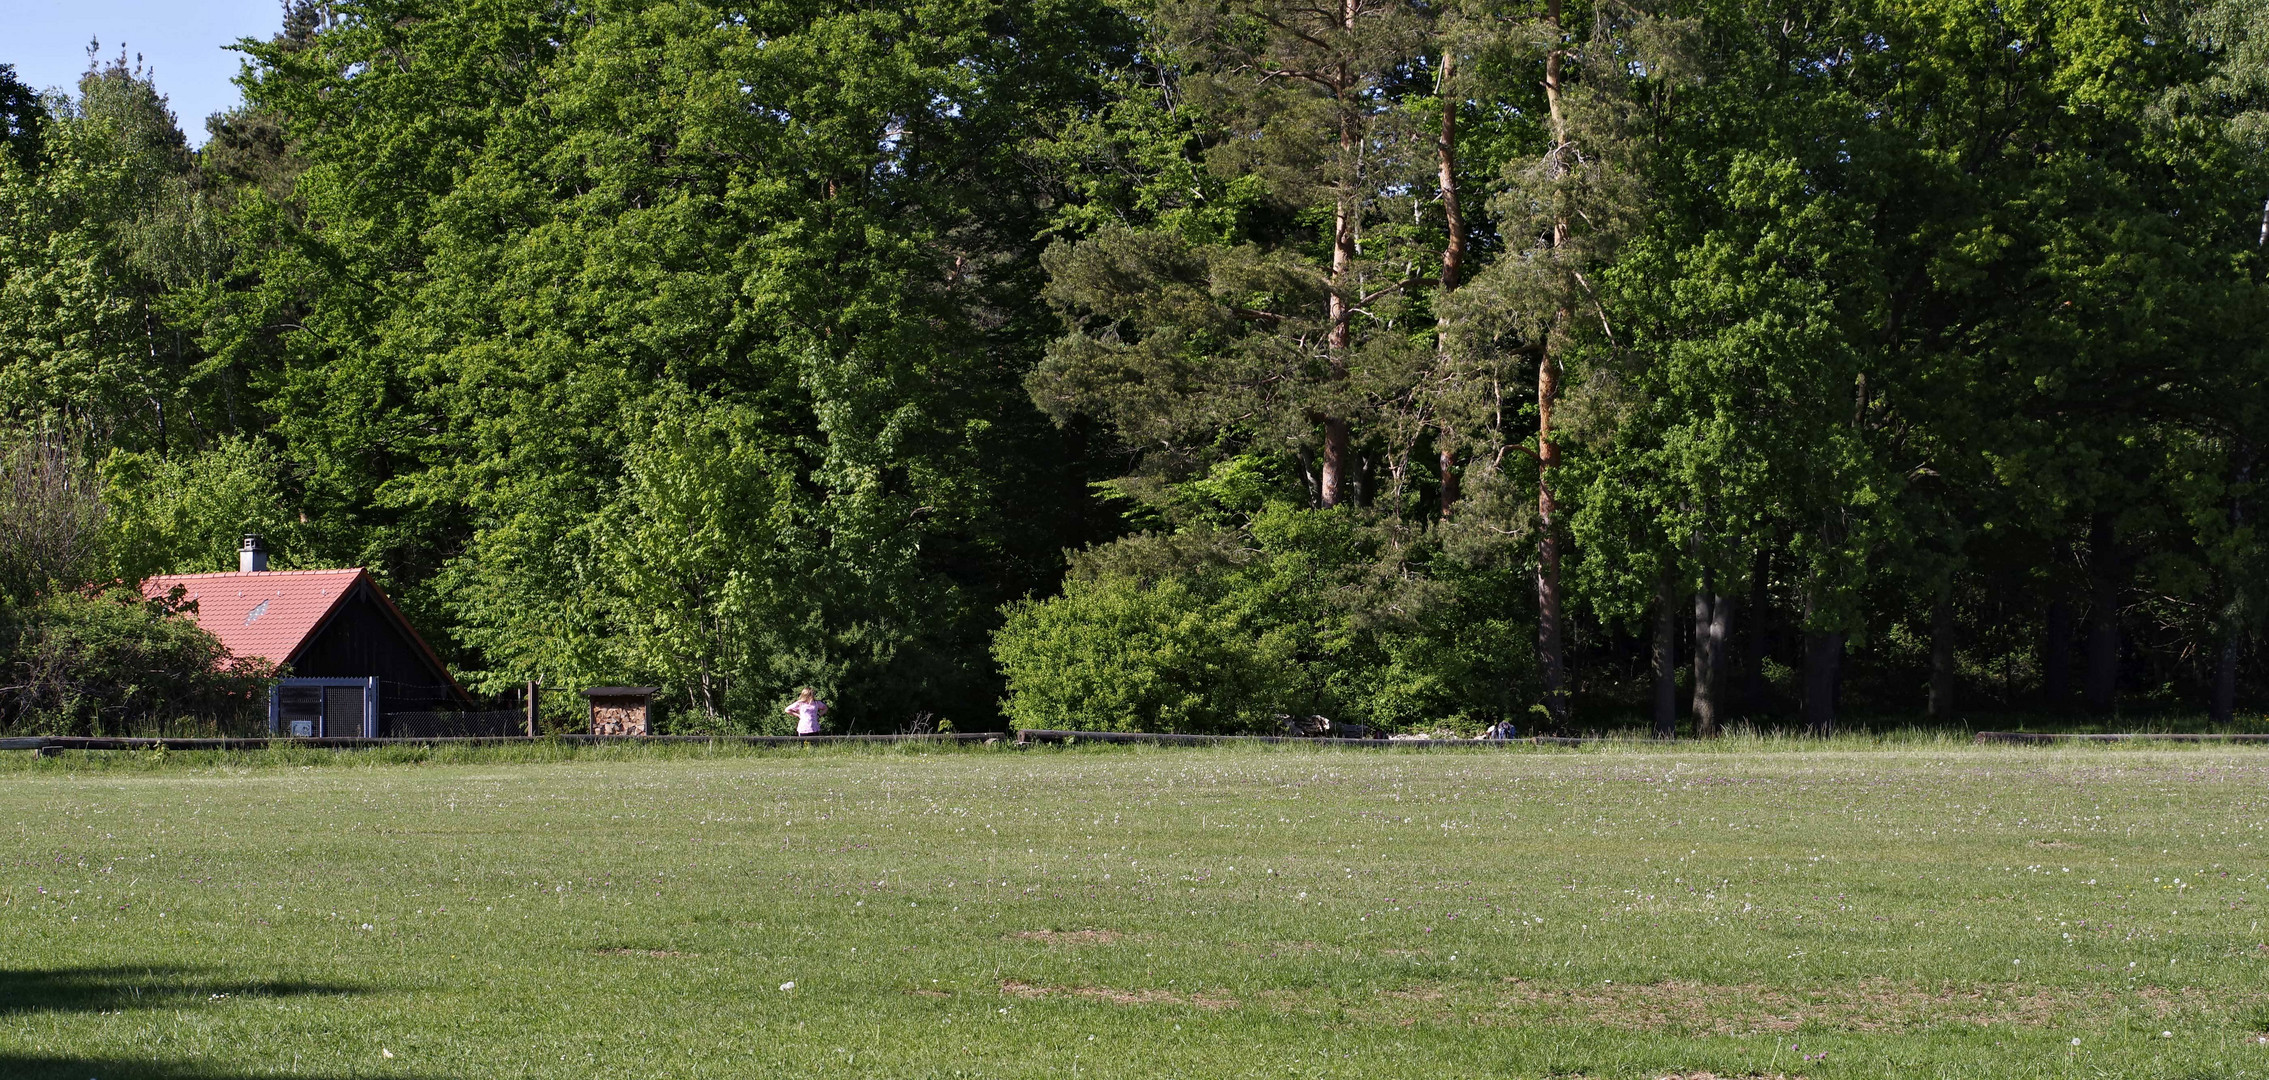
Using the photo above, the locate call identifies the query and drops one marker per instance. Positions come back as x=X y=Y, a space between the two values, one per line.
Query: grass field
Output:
x=1918 y=910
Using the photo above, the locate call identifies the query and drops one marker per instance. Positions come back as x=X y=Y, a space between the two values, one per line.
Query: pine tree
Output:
x=1274 y=327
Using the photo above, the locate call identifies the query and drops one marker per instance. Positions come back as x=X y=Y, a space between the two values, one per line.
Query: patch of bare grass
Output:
x=1069 y=937
x=1120 y=997
x=1706 y=1075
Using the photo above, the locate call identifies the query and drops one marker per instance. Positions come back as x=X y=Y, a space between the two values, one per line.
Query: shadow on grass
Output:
x=117 y=989
x=39 y=1067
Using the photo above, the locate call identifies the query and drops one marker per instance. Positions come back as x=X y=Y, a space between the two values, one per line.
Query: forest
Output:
x=1181 y=365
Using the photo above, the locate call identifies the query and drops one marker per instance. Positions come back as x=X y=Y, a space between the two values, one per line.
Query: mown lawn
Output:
x=1928 y=910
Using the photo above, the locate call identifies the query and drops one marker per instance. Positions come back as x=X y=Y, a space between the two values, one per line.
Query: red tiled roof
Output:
x=273 y=614
x=268 y=614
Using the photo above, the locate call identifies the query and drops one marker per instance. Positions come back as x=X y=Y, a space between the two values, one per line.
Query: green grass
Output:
x=1910 y=907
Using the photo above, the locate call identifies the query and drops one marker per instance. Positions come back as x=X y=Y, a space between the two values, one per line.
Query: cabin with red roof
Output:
x=350 y=658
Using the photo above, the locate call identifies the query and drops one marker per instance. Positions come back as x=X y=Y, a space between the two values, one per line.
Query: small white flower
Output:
x=787 y=986
x=2166 y=1034
x=2075 y=1040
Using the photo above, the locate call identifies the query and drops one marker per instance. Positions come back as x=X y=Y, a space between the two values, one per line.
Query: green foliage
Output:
x=1121 y=655
x=92 y=243
x=734 y=349
x=22 y=116
x=696 y=577
x=185 y=514
x=653 y=220
x=114 y=663
x=1267 y=611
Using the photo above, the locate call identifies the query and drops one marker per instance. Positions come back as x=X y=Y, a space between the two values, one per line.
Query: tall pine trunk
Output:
x=1453 y=254
x=1338 y=440
x=1549 y=647
x=2103 y=616
x=1705 y=712
x=1551 y=653
x=1666 y=656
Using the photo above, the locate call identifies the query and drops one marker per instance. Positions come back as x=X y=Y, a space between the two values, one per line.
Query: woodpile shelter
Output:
x=353 y=665
x=622 y=710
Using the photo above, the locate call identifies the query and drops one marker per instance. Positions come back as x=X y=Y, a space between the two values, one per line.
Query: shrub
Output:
x=115 y=663
x=1116 y=654
x=1297 y=612
x=51 y=515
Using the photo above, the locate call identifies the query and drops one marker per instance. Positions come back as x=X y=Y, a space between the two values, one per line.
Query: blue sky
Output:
x=183 y=40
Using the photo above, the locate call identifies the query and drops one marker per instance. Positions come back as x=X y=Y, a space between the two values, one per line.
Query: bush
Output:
x=1116 y=654
x=115 y=663
x=1297 y=612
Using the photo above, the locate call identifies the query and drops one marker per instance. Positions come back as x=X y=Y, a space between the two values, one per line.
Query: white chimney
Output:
x=253 y=556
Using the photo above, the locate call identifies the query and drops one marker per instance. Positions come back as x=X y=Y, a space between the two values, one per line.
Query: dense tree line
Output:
x=1139 y=363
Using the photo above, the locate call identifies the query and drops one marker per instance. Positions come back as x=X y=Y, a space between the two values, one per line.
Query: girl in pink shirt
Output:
x=807 y=709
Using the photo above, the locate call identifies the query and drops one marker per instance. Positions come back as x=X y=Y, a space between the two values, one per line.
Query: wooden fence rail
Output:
x=52 y=744
x=2141 y=736
x=1042 y=735
x=58 y=743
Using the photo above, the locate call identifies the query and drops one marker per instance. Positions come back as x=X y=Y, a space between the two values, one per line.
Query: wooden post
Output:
x=529 y=698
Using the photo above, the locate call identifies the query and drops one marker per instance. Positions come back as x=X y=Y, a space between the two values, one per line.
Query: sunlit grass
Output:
x=1905 y=905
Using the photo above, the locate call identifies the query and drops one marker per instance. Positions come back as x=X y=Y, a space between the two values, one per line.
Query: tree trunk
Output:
x=2056 y=654
x=1713 y=621
x=1941 y=706
x=1449 y=470
x=1453 y=253
x=1723 y=607
x=1666 y=656
x=1550 y=651
x=1548 y=638
x=2103 y=617
x=1823 y=676
x=1337 y=438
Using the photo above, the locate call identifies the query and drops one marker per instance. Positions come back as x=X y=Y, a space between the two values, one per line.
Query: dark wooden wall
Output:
x=362 y=640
